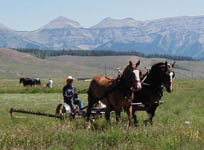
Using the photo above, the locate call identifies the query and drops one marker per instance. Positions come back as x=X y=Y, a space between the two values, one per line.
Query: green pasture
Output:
x=178 y=124
x=13 y=86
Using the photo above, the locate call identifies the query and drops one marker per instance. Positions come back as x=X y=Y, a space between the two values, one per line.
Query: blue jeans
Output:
x=74 y=101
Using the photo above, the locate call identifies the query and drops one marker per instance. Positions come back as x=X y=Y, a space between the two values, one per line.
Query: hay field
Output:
x=178 y=124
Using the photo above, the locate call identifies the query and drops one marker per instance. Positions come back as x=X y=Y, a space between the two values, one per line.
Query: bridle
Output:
x=171 y=74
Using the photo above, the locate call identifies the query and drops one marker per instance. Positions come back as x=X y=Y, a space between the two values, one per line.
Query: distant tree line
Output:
x=47 y=53
x=171 y=57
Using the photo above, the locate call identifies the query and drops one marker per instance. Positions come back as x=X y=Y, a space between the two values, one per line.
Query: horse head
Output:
x=131 y=76
x=21 y=80
x=168 y=76
x=163 y=73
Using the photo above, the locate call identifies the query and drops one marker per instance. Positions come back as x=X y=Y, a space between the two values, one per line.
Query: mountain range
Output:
x=181 y=36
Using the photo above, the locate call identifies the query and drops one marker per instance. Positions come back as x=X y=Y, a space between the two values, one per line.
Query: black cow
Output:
x=30 y=82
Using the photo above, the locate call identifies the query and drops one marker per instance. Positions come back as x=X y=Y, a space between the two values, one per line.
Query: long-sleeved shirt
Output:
x=69 y=92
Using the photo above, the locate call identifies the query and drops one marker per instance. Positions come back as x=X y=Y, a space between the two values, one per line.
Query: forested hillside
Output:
x=45 y=53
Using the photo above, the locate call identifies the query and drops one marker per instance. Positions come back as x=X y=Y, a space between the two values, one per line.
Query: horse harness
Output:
x=119 y=85
x=158 y=89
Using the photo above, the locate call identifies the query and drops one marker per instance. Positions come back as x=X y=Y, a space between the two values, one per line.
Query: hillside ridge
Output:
x=16 y=64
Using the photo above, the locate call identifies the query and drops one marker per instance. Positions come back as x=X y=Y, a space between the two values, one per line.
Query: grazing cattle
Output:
x=37 y=81
x=29 y=81
x=115 y=93
x=160 y=75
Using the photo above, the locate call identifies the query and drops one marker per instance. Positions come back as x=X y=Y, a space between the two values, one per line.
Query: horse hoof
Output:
x=136 y=124
x=145 y=122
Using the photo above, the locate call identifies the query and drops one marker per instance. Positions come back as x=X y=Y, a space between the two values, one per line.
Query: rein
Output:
x=143 y=83
x=156 y=87
x=147 y=84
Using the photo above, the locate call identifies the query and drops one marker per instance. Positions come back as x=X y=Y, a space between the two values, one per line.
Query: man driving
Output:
x=70 y=94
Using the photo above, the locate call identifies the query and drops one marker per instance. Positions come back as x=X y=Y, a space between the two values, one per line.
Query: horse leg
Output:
x=129 y=115
x=90 y=105
x=117 y=113
x=150 y=113
x=107 y=114
x=135 y=117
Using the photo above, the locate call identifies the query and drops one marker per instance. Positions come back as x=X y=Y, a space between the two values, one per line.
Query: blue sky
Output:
x=30 y=15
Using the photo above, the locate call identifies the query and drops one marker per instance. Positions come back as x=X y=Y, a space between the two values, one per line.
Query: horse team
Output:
x=128 y=88
x=132 y=87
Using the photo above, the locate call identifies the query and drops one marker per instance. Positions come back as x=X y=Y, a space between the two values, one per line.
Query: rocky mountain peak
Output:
x=61 y=22
x=110 y=22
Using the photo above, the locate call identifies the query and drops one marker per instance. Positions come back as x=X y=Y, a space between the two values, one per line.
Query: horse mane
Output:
x=157 y=65
x=125 y=71
x=109 y=77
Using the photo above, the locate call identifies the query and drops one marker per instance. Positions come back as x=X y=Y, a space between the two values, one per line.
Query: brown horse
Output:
x=115 y=93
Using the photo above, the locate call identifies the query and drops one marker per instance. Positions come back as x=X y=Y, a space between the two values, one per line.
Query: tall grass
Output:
x=178 y=124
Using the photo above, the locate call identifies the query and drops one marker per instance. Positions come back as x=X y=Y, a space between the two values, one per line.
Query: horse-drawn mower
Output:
x=63 y=111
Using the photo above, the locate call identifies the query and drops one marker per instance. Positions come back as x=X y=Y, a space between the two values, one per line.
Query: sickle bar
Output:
x=33 y=113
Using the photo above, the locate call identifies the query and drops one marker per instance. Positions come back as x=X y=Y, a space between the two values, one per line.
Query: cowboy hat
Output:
x=69 y=78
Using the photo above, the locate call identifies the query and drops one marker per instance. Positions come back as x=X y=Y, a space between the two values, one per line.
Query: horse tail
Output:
x=92 y=99
x=90 y=95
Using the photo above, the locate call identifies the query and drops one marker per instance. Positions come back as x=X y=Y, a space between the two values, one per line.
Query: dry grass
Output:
x=15 y=64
